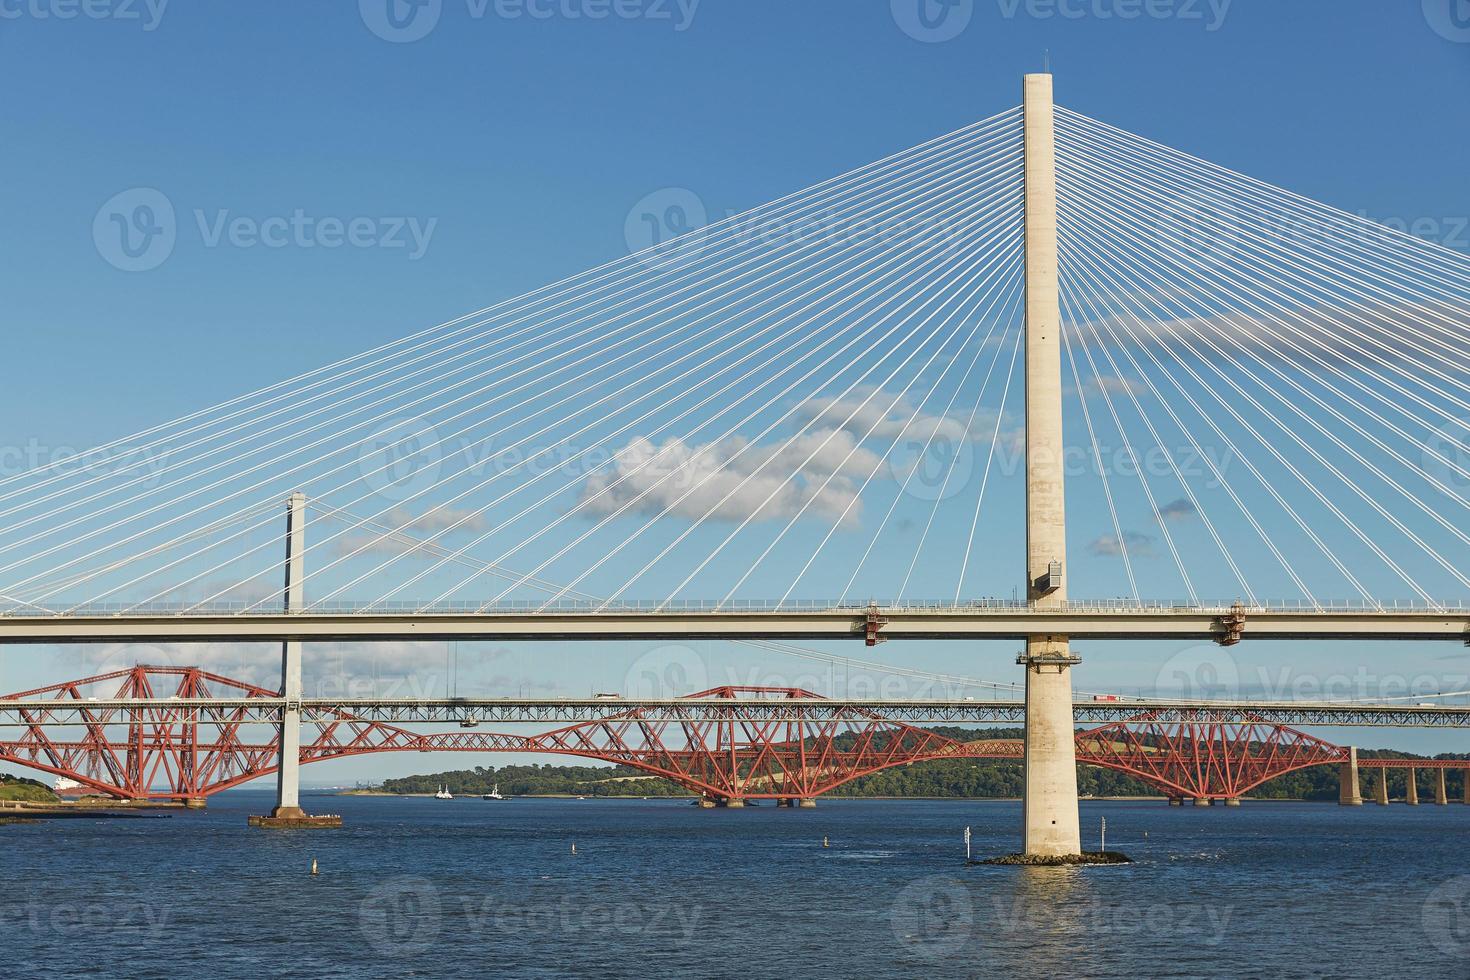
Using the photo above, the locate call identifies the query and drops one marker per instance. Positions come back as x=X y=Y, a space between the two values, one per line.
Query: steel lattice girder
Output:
x=729 y=748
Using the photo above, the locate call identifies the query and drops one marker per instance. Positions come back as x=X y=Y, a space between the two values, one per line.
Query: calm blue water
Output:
x=425 y=888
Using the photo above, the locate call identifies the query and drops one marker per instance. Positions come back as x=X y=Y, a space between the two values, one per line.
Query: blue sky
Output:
x=504 y=150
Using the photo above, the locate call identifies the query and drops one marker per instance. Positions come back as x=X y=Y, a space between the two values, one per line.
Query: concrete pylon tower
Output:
x=1051 y=825
x=288 y=776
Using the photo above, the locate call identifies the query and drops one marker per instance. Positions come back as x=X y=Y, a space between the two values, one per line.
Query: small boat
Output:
x=443 y=794
x=494 y=794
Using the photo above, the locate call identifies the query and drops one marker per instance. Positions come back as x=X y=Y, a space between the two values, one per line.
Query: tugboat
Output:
x=443 y=793
x=494 y=794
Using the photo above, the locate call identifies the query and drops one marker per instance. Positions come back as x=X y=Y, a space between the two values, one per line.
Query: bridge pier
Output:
x=734 y=803
x=1411 y=795
x=288 y=812
x=1232 y=801
x=1176 y=801
x=1349 y=790
x=1050 y=824
x=1380 y=791
x=806 y=803
x=1441 y=798
x=1465 y=775
x=1201 y=801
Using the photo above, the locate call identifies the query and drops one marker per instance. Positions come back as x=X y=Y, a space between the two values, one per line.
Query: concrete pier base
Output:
x=1380 y=789
x=1051 y=825
x=734 y=804
x=806 y=803
x=1441 y=797
x=1201 y=801
x=705 y=803
x=294 y=818
x=1232 y=801
x=783 y=801
x=194 y=803
x=1176 y=801
x=1465 y=775
x=1412 y=795
x=1349 y=790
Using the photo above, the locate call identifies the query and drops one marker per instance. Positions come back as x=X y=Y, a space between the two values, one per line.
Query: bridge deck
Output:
x=935 y=623
x=570 y=711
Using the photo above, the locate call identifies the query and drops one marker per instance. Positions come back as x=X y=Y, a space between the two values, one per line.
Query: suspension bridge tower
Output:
x=1049 y=803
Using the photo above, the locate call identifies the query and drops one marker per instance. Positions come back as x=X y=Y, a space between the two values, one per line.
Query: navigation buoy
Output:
x=313 y=866
x=574 y=848
x=825 y=843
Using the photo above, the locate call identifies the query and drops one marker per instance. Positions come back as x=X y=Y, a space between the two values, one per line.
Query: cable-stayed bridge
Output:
x=1226 y=411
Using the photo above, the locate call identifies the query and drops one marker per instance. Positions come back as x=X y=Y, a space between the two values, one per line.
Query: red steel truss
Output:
x=717 y=751
x=1204 y=759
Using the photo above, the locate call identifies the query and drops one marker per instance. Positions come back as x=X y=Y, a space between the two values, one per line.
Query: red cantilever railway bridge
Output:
x=173 y=748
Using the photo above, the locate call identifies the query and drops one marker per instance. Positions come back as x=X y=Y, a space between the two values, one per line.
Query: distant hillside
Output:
x=15 y=789
x=547 y=780
x=957 y=778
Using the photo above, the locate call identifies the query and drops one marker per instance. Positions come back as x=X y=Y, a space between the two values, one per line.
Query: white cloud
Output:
x=878 y=414
x=407 y=541
x=329 y=670
x=871 y=413
x=1113 y=384
x=736 y=478
x=1138 y=545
